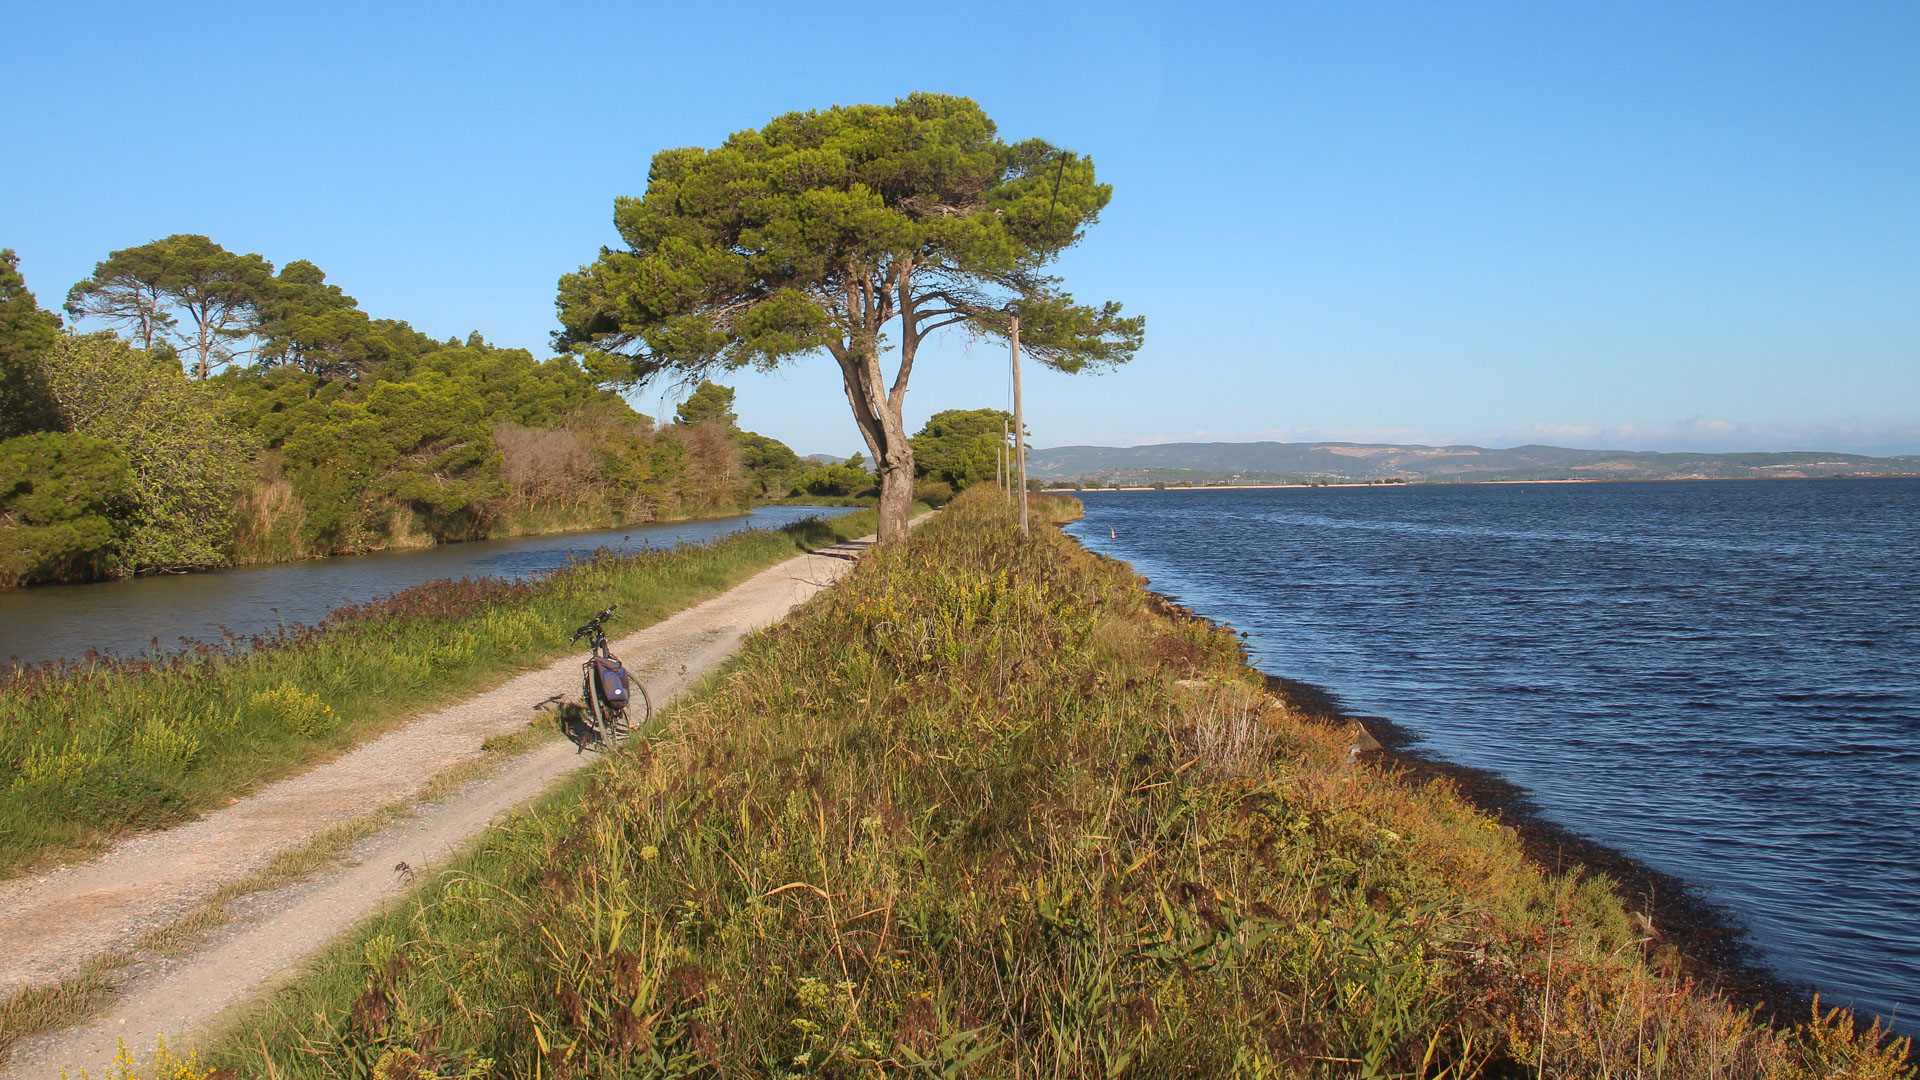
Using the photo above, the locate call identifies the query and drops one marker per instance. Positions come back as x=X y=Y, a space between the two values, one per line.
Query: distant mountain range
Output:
x=1279 y=463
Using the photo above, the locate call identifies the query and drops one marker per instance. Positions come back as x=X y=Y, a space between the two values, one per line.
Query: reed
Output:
x=983 y=811
x=96 y=748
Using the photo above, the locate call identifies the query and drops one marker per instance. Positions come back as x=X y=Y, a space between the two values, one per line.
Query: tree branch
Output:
x=946 y=322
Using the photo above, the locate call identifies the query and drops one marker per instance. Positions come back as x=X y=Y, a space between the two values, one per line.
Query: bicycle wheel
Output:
x=597 y=718
x=646 y=702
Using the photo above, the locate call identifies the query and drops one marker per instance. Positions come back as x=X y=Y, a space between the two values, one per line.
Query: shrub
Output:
x=293 y=709
x=57 y=494
x=186 y=461
x=847 y=478
x=935 y=493
x=164 y=747
x=511 y=632
x=47 y=767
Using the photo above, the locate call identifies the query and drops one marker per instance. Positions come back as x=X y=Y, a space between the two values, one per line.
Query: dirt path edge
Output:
x=51 y=925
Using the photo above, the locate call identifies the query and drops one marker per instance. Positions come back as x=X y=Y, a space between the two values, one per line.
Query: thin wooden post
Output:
x=1019 y=425
x=1006 y=464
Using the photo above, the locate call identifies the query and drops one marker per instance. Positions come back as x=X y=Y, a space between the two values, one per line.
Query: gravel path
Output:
x=51 y=924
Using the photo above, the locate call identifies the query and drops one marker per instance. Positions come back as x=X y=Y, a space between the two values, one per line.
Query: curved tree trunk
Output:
x=895 y=465
x=886 y=436
x=878 y=410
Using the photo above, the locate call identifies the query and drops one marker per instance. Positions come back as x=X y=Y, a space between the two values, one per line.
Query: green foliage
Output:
x=298 y=711
x=935 y=493
x=274 y=403
x=422 y=445
x=961 y=446
x=741 y=255
x=979 y=811
x=771 y=463
x=821 y=229
x=145 y=290
x=351 y=433
x=26 y=333
x=509 y=384
x=90 y=750
x=710 y=403
x=406 y=451
x=314 y=327
x=849 y=477
x=57 y=496
x=186 y=460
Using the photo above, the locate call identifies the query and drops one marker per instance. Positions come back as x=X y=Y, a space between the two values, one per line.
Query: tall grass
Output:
x=981 y=812
x=100 y=747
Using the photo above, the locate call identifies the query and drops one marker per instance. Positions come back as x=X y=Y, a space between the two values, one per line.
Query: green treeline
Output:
x=236 y=414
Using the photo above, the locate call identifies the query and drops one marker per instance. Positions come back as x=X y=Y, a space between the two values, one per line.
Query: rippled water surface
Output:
x=128 y=617
x=1719 y=678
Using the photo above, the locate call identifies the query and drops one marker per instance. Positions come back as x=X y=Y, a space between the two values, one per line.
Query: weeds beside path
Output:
x=74 y=929
x=93 y=751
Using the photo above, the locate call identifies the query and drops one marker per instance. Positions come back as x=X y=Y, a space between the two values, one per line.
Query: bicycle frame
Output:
x=609 y=719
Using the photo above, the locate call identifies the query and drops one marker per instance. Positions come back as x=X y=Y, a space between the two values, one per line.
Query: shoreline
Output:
x=319 y=587
x=394 y=549
x=1474 y=483
x=1710 y=944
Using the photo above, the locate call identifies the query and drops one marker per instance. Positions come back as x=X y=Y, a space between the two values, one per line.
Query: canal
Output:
x=136 y=615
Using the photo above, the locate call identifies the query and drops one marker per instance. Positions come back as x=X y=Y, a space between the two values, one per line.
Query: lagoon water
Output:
x=129 y=617
x=1718 y=678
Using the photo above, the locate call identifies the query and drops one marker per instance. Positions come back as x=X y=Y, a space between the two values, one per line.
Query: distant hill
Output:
x=1277 y=462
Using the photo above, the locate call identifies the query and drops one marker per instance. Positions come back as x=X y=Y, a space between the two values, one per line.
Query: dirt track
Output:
x=52 y=924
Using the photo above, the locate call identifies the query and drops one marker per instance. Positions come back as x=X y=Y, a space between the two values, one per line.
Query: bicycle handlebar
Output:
x=593 y=624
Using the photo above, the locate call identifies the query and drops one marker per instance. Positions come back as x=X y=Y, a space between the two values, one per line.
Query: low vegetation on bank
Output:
x=94 y=749
x=982 y=810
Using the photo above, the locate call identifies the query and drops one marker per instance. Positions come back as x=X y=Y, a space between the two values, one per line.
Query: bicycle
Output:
x=607 y=692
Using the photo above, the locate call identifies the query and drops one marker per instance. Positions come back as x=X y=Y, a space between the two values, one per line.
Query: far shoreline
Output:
x=1470 y=483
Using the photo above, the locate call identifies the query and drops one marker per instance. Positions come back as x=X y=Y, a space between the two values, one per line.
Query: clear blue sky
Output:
x=1649 y=225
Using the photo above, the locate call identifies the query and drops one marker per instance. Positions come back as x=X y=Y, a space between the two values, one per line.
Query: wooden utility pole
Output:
x=1006 y=464
x=1019 y=425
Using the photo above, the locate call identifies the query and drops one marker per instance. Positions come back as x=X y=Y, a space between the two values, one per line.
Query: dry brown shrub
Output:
x=547 y=467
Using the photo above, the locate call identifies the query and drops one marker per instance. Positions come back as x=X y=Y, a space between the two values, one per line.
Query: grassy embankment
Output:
x=92 y=750
x=980 y=811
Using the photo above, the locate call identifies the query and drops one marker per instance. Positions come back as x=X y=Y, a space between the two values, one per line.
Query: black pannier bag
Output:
x=613 y=681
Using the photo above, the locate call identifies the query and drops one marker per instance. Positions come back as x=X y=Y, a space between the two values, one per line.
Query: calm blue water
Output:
x=1719 y=678
x=127 y=617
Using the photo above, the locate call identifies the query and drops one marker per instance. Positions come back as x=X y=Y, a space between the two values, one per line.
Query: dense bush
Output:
x=961 y=447
x=26 y=333
x=58 y=494
x=421 y=446
x=849 y=477
x=934 y=493
x=186 y=461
